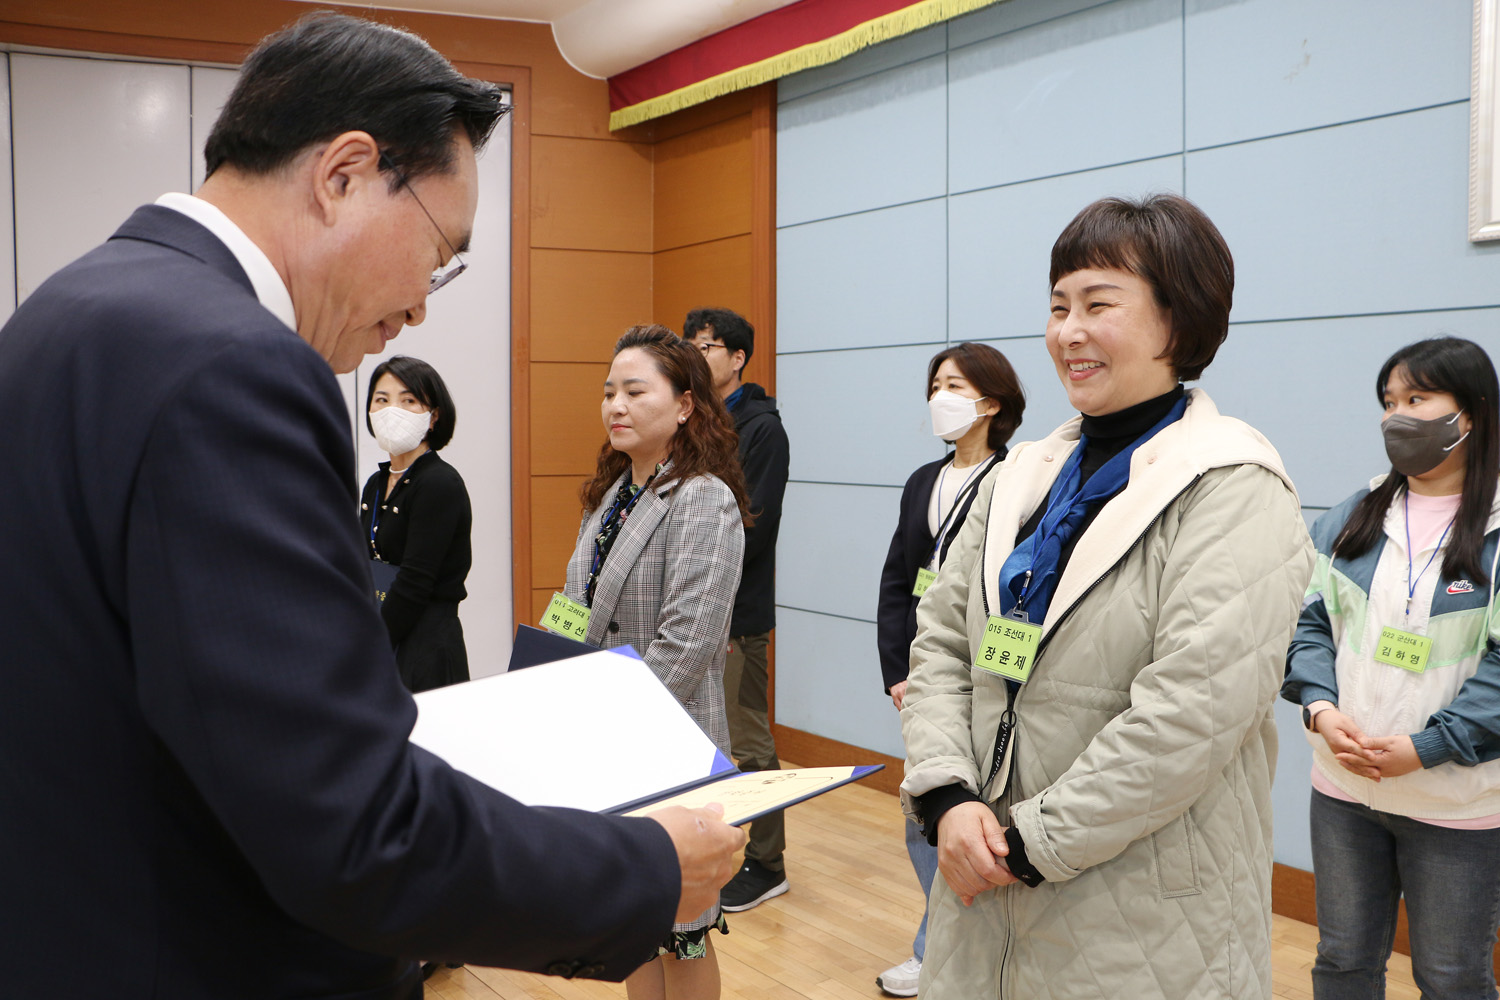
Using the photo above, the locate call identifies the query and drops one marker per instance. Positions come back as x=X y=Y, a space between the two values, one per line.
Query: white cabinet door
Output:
x=211 y=89
x=7 y=206
x=93 y=140
x=466 y=337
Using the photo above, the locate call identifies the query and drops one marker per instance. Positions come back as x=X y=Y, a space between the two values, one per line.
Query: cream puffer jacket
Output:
x=1139 y=771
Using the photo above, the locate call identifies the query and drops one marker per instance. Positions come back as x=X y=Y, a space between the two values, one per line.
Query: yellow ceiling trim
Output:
x=919 y=15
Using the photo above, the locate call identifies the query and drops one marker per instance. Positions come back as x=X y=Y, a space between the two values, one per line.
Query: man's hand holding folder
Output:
x=535 y=735
x=705 y=852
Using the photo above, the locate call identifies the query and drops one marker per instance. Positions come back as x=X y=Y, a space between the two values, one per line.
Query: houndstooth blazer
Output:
x=668 y=588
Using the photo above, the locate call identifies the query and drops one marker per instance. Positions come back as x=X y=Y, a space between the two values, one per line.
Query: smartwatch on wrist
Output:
x=1309 y=717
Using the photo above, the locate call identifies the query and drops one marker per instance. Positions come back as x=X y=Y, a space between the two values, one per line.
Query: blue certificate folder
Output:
x=597 y=731
x=535 y=646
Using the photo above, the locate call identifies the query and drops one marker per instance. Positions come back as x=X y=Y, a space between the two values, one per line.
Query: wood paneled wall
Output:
x=607 y=230
x=691 y=240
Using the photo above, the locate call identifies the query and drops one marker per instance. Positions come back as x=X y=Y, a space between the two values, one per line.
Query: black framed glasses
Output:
x=456 y=264
x=707 y=347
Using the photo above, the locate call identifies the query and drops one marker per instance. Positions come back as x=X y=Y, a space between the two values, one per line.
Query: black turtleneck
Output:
x=1104 y=438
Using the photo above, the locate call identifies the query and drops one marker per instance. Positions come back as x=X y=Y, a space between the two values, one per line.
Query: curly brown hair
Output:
x=705 y=444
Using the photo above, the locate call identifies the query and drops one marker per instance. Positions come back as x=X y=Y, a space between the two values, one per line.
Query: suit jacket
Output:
x=668 y=588
x=208 y=789
x=911 y=548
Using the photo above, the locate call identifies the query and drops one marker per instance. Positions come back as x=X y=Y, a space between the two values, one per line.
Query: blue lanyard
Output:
x=604 y=522
x=1044 y=529
x=937 y=543
x=1411 y=581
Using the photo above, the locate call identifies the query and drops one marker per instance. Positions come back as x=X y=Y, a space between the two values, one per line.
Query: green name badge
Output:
x=924 y=580
x=1009 y=647
x=566 y=617
x=1403 y=649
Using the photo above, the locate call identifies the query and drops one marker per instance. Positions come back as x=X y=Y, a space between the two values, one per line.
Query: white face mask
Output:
x=398 y=431
x=952 y=414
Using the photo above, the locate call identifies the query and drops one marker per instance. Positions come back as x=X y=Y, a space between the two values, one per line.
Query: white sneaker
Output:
x=901 y=980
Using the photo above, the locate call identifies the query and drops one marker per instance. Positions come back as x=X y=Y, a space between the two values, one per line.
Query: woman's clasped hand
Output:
x=1373 y=757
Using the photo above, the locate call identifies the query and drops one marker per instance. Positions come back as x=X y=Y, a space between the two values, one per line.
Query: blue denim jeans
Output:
x=1365 y=861
x=924 y=862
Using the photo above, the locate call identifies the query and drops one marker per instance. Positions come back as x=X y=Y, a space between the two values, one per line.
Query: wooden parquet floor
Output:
x=851 y=912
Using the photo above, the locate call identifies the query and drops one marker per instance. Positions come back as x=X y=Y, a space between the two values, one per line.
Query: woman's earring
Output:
x=682 y=420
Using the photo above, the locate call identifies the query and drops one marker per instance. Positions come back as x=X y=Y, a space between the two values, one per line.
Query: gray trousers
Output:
x=746 y=677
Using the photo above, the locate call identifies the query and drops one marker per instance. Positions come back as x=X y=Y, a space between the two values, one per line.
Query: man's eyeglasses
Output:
x=707 y=346
x=456 y=264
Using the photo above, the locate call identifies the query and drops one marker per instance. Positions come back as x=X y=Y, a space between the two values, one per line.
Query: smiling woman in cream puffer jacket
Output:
x=1103 y=815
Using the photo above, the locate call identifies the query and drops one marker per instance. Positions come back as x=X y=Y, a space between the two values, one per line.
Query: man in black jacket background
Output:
x=727 y=342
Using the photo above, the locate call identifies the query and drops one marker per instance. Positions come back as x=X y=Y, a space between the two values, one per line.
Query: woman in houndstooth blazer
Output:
x=658 y=562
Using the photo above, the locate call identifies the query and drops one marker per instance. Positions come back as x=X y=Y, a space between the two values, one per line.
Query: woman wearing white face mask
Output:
x=416 y=517
x=1396 y=664
x=976 y=402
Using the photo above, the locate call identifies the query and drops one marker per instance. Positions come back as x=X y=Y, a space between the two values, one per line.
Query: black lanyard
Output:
x=969 y=485
x=614 y=512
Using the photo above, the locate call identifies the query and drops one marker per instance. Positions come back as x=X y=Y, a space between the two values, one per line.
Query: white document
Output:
x=593 y=732
x=751 y=795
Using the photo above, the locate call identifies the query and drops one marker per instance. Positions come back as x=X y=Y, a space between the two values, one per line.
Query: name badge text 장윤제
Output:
x=1009 y=646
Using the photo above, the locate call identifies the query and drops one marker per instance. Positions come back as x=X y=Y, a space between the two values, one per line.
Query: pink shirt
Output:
x=1429 y=518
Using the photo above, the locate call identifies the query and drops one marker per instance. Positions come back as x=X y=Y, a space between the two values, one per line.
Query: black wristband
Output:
x=935 y=803
x=1020 y=866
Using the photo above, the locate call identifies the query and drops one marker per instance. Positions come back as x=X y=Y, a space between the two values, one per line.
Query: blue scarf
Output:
x=1067 y=509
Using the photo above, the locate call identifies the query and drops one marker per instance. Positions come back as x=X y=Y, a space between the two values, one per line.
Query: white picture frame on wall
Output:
x=1484 y=129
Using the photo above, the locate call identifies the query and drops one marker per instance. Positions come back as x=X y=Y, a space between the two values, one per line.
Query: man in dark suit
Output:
x=206 y=788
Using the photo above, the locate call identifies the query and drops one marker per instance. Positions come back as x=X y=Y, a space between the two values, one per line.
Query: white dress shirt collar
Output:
x=269 y=288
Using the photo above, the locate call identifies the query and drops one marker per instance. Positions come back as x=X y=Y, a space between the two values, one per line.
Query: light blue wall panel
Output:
x=867 y=144
x=1000 y=243
x=828 y=681
x=1350 y=234
x=847 y=282
x=1062 y=95
x=1291 y=790
x=857 y=416
x=1310 y=387
x=876 y=59
x=1270 y=66
x=832 y=546
x=1046 y=400
x=1359 y=218
x=1012 y=15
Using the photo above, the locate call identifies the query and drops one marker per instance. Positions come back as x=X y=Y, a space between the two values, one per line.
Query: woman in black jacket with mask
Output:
x=416 y=517
x=976 y=403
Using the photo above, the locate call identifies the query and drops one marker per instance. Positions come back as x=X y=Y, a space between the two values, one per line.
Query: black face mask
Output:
x=1419 y=446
